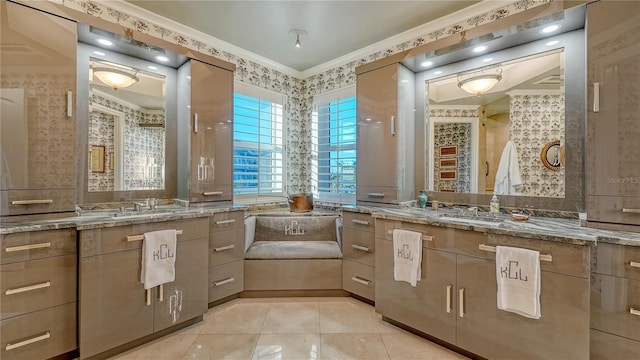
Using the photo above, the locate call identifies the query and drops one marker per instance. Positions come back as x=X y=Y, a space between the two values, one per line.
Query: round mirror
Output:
x=552 y=155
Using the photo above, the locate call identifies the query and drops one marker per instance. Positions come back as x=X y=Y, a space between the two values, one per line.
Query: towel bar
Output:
x=141 y=237
x=424 y=237
x=543 y=257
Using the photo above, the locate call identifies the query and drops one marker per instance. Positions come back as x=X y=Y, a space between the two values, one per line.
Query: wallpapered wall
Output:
x=300 y=92
x=144 y=156
x=535 y=121
x=454 y=134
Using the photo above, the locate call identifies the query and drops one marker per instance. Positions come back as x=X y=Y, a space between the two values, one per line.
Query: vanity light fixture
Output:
x=480 y=83
x=297 y=44
x=115 y=78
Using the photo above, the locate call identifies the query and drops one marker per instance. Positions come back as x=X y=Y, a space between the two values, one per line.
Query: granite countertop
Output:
x=541 y=228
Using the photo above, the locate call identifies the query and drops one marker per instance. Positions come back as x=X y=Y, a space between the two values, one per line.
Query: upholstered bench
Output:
x=293 y=253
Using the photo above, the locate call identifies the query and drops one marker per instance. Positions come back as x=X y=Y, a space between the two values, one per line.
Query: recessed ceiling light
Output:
x=152 y=67
x=437 y=72
x=552 y=42
x=479 y=48
x=427 y=63
x=404 y=81
x=99 y=53
x=550 y=28
x=162 y=58
x=487 y=59
x=188 y=77
x=105 y=42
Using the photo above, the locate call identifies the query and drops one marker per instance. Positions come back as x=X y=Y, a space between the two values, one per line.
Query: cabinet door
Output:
x=561 y=333
x=614 y=130
x=113 y=308
x=424 y=307
x=37 y=124
x=613 y=301
x=211 y=176
x=186 y=297
x=377 y=94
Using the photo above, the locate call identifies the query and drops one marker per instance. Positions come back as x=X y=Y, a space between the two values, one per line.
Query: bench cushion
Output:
x=295 y=228
x=293 y=249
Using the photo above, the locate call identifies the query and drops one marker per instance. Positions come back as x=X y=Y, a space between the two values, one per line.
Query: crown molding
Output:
x=146 y=15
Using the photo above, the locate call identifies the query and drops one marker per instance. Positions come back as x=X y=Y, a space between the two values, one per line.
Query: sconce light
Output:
x=115 y=78
x=480 y=83
x=297 y=32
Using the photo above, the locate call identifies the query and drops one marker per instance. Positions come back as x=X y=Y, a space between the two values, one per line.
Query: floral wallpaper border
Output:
x=300 y=92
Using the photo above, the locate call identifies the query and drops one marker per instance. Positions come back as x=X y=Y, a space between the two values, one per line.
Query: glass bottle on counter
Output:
x=422 y=199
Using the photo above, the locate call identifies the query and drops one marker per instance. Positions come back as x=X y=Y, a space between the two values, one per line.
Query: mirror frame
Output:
x=85 y=53
x=573 y=43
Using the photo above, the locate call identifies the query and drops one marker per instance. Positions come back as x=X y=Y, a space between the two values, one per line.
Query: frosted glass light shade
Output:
x=115 y=78
x=480 y=84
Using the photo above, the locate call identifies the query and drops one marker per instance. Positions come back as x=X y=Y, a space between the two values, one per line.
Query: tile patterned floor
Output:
x=291 y=328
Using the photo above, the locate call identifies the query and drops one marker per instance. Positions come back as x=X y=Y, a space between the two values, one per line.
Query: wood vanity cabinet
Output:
x=385 y=141
x=615 y=303
x=210 y=154
x=38 y=301
x=113 y=306
x=38 y=129
x=456 y=299
x=226 y=254
x=613 y=130
x=358 y=254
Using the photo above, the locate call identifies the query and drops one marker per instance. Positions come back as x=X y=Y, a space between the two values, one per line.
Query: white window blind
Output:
x=333 y=146
x=258 y=144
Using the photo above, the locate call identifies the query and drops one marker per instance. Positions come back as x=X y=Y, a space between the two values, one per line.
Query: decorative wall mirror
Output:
x=552 y=155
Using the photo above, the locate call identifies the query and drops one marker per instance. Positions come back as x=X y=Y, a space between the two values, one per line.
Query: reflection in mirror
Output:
x=127 y=120
x=491 y=141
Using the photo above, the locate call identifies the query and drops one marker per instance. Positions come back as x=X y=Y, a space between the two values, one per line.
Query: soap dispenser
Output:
x=494 y=205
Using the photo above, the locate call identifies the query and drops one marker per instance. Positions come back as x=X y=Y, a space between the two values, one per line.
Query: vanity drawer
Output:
x=114 y=239
x=37 y=284
x=227 y=220
x=359 y=279
x=358 y=246
x=359 y=221
x=435 y=237
x=610 y=347
x=226 y=246
x=32 y=245
x=612 y=301
x=225 y=280
x=618 y=260
x=39 y=335
x=609 y=209
x=55 y=200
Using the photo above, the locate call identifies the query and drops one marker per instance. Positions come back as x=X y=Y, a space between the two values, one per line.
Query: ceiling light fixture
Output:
x=480 y=48
x=427 y=63
x=297 y=32
x=162 y=58
x=487 y=59
x=115 y=78
x=480 y=82
x=552 y=42
x=105 y=42
x=550 y=28
x=99 y=53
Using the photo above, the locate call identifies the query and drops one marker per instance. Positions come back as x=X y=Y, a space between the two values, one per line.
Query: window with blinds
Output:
x=333 y=163
x=258 y=143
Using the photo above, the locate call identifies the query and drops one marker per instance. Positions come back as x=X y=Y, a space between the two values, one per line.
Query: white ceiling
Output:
x=334 y=28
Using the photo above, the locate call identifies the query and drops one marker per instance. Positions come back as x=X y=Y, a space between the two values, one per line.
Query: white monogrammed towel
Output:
x=518 y=277
x=158 y=258
x=407 y=256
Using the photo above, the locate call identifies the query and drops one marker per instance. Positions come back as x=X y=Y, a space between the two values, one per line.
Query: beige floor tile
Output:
x=288 y=346
x=384 y=327
x=237 y=318
x=292 y=318
x=407 y=346
x=192 y=329
x=234 y=347
x=345 y=317
x=169 y=347
x=352 y=346
x=295 y=299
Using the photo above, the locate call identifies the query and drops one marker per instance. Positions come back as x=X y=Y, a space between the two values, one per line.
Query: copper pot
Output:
x=301 y=202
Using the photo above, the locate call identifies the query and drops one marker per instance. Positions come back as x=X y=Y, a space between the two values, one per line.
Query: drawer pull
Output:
x=424 y=237
x=375 y=195
x=225 y=281
x=141 y=237
x=483 y=247
x=361 y=280
x=28 y=247
x=147 y=295
x=28 y=288
x=44 y=336
x=633 y=311
x=361 y=248
x=223 y=222
x=634 y=264
x=223 y=248
x=161 y=292
x=212 y=193
x=631 y=211
x=361 y=222
x=461 y=298
x=32 y=202
x=449 y=287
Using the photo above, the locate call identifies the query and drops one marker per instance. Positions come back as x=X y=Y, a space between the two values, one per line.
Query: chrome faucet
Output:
x=138 y=206
x=474 y=211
